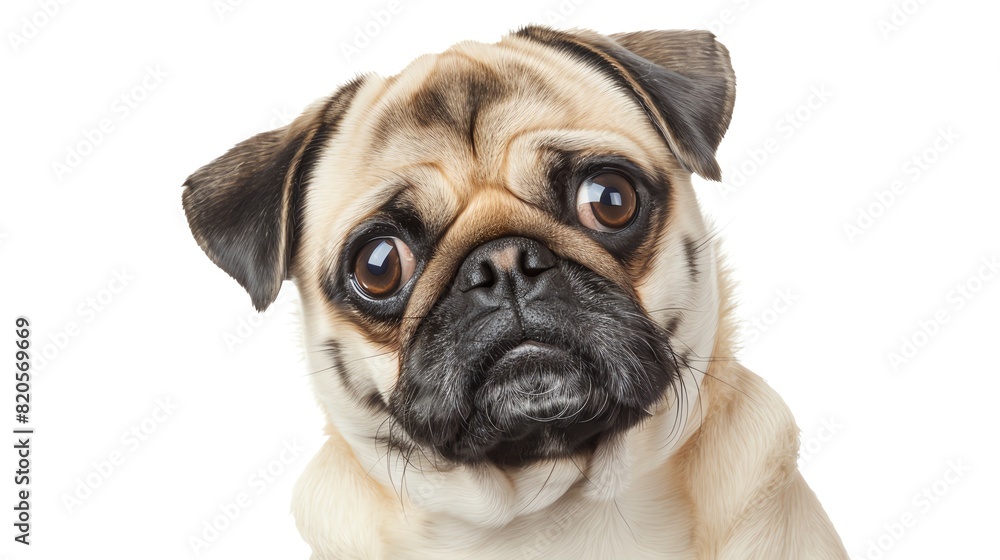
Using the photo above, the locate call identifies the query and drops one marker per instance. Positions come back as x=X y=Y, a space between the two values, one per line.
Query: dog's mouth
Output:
x=534 y=400
x=504 y=354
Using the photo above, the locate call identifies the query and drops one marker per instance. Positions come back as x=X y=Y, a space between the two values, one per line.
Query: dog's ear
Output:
x=683 y=79
x=242 y=206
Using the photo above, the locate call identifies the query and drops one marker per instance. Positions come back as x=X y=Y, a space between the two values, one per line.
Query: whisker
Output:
x=662 y=309
x=334 y=366
x=629 y=527
x=539 y=490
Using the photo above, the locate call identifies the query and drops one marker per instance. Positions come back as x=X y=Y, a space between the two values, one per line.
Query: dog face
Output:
x=500 y=257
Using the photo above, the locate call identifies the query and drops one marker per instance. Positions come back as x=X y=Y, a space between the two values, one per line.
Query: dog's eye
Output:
x=382 y=266
x=606 y=202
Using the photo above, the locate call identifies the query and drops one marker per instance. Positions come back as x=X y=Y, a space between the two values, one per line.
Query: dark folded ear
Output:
x=242 y=206
x=683 y=79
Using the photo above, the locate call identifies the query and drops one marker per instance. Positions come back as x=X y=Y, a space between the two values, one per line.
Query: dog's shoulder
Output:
x=741 y=468
x=338 y=509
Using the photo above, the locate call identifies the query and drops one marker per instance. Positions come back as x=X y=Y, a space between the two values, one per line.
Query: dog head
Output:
x=500 y=256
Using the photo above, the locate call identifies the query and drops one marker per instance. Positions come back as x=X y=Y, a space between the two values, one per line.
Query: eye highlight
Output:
x=382 y=266
x=606 y=202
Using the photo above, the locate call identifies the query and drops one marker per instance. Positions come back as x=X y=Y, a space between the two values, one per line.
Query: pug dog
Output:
x=518 y=322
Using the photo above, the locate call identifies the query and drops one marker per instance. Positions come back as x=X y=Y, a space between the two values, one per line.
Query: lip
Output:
x=532 y=347
x=528 y=350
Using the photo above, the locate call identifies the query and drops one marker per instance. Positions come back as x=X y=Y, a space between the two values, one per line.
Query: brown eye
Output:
x=606 y=202
x=382 y=266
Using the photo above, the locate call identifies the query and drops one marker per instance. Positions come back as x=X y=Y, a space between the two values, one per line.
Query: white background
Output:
x=876 y=434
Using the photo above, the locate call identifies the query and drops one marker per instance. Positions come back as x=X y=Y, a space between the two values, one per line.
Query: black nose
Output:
x=505 y=267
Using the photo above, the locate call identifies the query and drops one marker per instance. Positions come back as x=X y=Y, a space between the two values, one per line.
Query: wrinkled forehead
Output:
x=473 y=121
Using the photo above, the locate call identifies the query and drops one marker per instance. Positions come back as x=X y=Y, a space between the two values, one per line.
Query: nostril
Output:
x=530 y=270
x=536 y=261
x=498 y=264
x=486 y=276
x=481 y=276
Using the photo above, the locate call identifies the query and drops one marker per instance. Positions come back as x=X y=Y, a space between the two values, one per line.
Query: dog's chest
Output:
x=655 y=523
